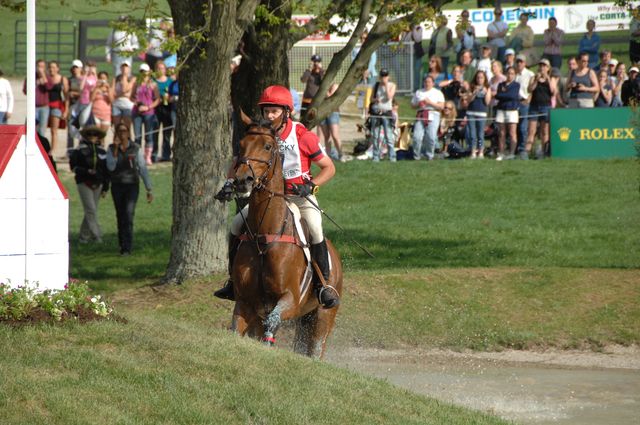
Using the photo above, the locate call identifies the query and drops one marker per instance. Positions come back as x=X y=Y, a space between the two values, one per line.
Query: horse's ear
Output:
x=245 y=119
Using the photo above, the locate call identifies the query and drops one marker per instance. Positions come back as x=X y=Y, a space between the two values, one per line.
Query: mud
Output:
x=552 y=387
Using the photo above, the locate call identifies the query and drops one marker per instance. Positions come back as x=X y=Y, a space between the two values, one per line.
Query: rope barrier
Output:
x=413 y=119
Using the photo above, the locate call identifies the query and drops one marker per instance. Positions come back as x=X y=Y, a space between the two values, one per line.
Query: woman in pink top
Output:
x=101 y=99
x=145 y=97
x=87 y=84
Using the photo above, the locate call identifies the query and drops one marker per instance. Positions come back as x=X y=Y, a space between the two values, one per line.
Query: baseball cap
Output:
x=613 y=62
x=522 y=58
x=509 y=52
x=77 y=63
x=384 y=72
x=634 y=69
x=144 y=68
x=544 y=61
x=316 y=58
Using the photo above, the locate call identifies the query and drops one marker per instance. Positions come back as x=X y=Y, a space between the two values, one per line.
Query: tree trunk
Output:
x=202 y=149
x=266 y=57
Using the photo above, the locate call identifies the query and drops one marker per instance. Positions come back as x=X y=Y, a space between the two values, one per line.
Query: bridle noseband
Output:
x=260 y=182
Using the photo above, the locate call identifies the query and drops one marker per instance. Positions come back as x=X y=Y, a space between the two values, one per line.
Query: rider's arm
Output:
x=327 y=170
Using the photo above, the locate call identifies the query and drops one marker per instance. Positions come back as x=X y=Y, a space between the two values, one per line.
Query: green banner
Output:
x=593 y=133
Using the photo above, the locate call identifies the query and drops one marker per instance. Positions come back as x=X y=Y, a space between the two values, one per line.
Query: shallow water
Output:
x=524 y=392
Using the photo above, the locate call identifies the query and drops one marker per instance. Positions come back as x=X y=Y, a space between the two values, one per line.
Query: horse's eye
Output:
x=267 y=147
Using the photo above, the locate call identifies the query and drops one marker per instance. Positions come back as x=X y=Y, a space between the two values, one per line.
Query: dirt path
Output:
x=551 y=387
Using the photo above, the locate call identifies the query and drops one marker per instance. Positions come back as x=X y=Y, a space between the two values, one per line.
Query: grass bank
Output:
x=159 y=370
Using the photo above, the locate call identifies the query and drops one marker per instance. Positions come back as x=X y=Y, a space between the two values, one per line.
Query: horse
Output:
x=270 y=262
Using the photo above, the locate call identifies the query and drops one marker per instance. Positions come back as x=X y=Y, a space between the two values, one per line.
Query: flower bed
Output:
x=25 y=304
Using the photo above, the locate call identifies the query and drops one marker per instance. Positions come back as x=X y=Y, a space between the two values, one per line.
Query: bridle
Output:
x=262 y=181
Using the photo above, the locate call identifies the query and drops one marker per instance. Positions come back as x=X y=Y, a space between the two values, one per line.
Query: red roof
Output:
x=9 y=138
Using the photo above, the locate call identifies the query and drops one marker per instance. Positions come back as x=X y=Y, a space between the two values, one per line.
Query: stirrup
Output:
x=331 y=297
x=226 y=292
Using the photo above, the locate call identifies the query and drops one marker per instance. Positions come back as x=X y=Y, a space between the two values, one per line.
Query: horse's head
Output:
x=258 y=155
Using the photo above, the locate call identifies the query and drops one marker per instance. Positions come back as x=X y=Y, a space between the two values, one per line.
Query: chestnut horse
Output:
x=270 y=262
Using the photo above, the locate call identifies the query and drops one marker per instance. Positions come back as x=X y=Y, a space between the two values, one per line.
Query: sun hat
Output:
x=509 y=52
x=544 y=61
x=93 y=130
x=144 y=68
x=77 y=63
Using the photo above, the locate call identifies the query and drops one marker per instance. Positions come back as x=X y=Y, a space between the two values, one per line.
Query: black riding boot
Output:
x=226 y=292
x=327 y=295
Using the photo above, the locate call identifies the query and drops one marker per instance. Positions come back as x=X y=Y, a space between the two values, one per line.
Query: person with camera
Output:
x=312 y=77
x=380 y=110
x=429 y=101
x=543 y=89
x=582 y=84
x=146 y=97
x=101 y=100
x=121 y=87
x=466 y=34
x=126 y=166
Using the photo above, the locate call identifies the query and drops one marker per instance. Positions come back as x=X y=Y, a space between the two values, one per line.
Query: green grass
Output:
x=162 y=370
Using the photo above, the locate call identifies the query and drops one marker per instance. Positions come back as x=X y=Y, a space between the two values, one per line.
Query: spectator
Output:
x=466 y=34
x=522 y=36
x=590 y=43
x=509 y=59
x=429 y=101
x=380 y=109
x=484 y=63
x=73 y=96
x=466 y=62
x=58 y=88
x=441 y=43
x=496 y=33
x=553 y=37
x=479 y=98
x=620 y=76
x=572 y=64
x=42 y=97
x=312 y=77
x=157 y=37
x=121 y=45
x=6 y=99
x=543 y=89
x=102 y=98
x=163 y=112
x=415 y=35
x=508 y=97
x=448 y=125
x=523 y=78
x=370 y=74
x=556 y=78
x=174 y=96
x=88 y=163
x=451 y=88
x=146 y=98
x=605 y=59
x=126 y=165
x=297 y=103
x=582 y=84
x=435 y=70
x=498 y=77
x=605 y=94
x=87 y=84
x=634 y=36
x=628 y=92
x=122 y=87
x=330 y=128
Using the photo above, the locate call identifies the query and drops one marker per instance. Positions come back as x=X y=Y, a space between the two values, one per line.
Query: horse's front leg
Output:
x=282 y=311
x=243 y=319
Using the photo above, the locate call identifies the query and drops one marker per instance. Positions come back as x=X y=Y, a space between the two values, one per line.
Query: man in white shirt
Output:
x=484 y=63
x=6 y=99
x=429 y=101
x=496 y=33
x=523 y=77
x=121 y=45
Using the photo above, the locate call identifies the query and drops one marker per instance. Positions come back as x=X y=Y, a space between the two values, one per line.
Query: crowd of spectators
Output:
x=503 y=88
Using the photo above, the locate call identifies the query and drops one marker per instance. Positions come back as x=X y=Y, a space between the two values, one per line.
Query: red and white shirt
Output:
x=299 y=148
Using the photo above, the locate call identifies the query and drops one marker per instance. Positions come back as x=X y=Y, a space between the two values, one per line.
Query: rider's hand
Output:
x=305 y=189
x=226 y=193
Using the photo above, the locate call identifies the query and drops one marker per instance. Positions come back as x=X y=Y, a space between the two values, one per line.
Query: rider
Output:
x=299 y=147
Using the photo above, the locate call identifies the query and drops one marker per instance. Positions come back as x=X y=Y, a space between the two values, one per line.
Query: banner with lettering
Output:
x=593 y=133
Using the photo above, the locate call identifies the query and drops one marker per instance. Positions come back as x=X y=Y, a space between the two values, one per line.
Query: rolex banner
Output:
x=593 y=133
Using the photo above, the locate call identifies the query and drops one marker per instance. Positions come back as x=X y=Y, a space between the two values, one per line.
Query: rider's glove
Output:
x=226 y=193
x=305 y=189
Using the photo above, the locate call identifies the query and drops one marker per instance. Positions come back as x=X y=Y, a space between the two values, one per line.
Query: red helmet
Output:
x=276 y=95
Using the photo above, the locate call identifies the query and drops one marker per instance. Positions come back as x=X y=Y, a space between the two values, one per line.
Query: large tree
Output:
x=210 y=31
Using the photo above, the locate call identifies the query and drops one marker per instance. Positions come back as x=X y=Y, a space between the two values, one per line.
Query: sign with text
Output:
x=593 y=133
